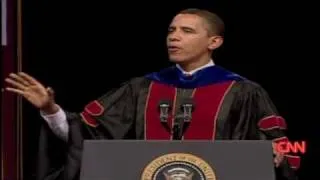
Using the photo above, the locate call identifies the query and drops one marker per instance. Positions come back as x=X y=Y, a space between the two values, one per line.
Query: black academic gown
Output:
x=227 y=107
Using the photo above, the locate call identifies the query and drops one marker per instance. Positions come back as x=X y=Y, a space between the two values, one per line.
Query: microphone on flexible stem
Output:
x=187 y=107
x=164 y=109
x=183 y=120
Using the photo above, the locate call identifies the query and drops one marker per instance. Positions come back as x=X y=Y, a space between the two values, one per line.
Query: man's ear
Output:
x=215 y=42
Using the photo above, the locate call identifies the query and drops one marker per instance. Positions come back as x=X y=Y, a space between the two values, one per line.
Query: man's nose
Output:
x=174 y=36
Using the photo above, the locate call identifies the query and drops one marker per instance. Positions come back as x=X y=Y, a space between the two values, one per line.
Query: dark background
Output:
x=69 y=45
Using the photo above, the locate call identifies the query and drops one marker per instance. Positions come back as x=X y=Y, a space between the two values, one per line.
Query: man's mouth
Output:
x=173 y=48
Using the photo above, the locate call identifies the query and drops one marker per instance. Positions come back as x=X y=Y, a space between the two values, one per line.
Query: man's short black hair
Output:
x=215 y=23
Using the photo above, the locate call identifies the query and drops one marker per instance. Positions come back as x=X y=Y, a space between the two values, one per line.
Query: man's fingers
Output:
x=274 y=147
x=28 y=78
x=19 y=79
x=278 y=159
x=18 y=91
x=15 y=84
x=50 y=92
x=277 y=162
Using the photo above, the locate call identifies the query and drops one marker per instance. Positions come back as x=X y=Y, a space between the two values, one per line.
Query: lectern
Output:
x=177 y=160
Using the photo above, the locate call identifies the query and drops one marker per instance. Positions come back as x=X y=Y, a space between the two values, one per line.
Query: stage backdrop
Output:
x=84 y=49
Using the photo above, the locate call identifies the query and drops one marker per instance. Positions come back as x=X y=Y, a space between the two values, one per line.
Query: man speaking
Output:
x=222 y=105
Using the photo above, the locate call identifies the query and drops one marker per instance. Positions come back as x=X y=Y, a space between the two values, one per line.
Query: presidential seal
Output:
x=178 y=166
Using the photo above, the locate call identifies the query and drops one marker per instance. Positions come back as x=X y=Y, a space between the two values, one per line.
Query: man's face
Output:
x=188 y=38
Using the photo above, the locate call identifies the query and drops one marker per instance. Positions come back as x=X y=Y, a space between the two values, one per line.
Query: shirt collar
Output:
x=210 y=63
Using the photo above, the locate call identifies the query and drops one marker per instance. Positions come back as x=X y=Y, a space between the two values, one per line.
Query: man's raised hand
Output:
x=33 y=91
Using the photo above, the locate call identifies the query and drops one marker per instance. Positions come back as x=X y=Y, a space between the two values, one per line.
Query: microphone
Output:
x=164 y=109
x=183 y=120
x=187 y=107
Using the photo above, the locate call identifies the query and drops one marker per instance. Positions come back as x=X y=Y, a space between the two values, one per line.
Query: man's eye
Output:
x=187 y=30
x=170 y=30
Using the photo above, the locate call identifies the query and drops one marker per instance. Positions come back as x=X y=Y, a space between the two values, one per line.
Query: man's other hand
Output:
x=279 y=157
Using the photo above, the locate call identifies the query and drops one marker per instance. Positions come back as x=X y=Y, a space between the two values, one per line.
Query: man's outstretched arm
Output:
x=42 y=98
x=57 y=123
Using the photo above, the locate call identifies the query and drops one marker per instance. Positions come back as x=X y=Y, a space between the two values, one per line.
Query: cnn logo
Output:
x=291 y=147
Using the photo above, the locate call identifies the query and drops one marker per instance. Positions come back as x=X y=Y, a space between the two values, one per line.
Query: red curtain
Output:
x=10 y=123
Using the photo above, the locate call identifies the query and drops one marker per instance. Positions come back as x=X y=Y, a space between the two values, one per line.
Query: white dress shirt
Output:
x=58 y=121
x=211 y=63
